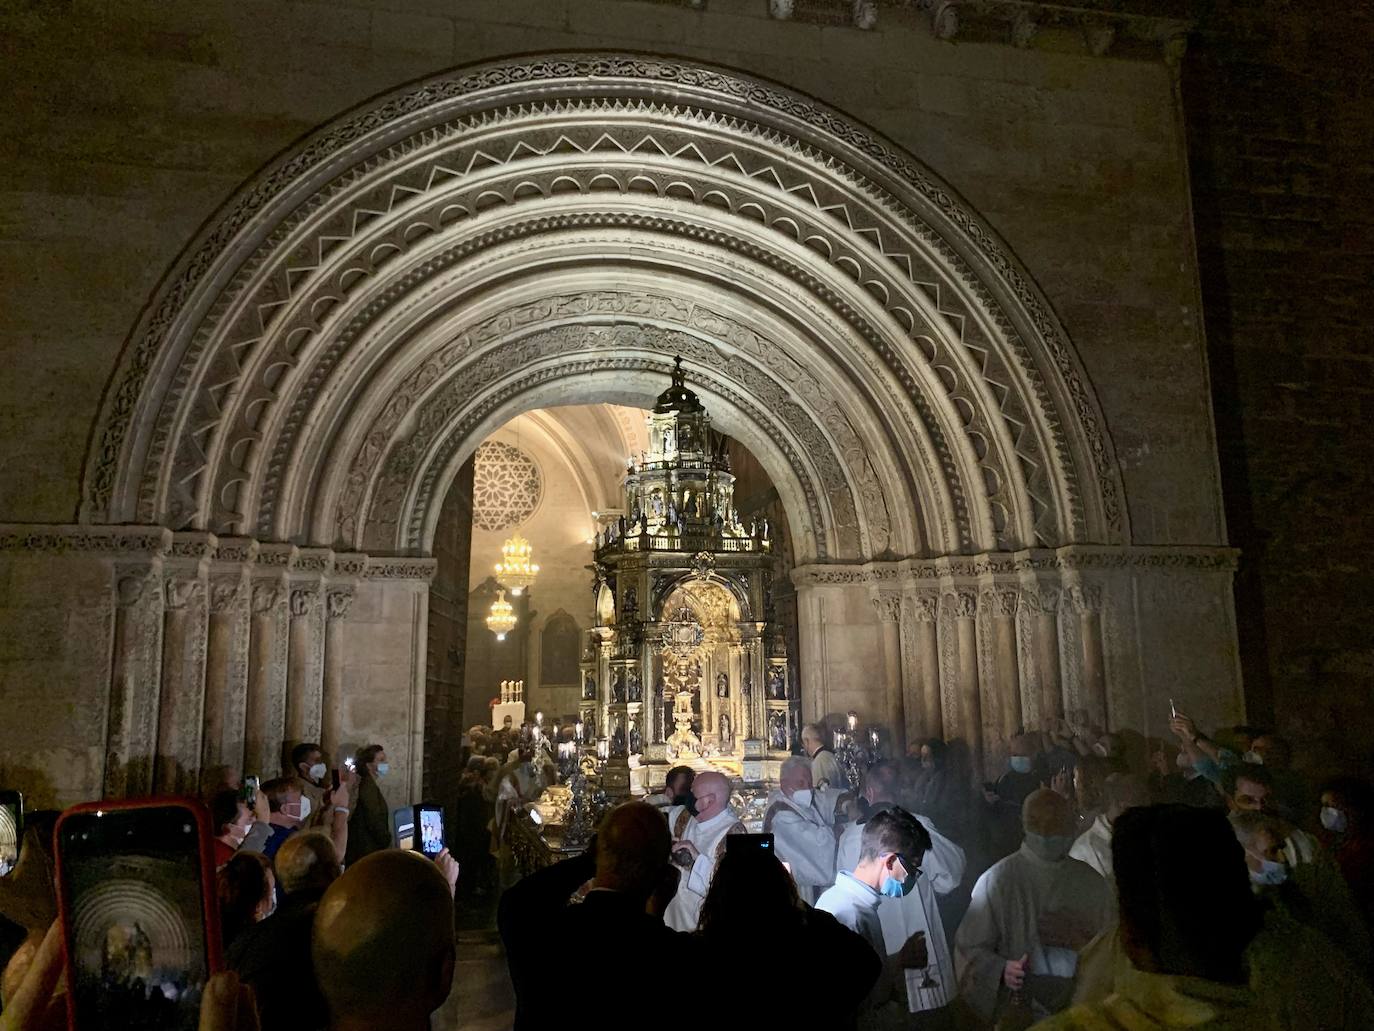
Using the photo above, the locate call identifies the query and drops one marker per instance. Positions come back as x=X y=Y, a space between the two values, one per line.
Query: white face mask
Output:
x=1100 y=749
x=304 y=805
x=1333 y=819
x=1253 y=757
x=1182 y=761
x=802 y=797
x=318 y=771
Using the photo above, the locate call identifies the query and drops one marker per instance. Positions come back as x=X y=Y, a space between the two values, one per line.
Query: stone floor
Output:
x=482 y=998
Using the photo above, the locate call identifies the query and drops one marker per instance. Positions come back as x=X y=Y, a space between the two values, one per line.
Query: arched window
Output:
x=560 y=648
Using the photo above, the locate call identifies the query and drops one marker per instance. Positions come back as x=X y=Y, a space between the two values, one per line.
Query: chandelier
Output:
x=501 y=619
x=515 y=570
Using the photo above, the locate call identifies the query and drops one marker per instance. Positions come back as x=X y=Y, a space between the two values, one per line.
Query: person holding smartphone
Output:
x=370 y=824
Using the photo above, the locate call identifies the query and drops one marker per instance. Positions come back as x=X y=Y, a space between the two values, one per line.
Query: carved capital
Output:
x=925 y=606
x=782 y=10
x=865 y=14
x=303 y=601
x=1085 y=598
x=1040 y=601
x=131 y=587
x=224 y=594
x=1099 y=36
x=944 y=19
x=338 y=603
x=1001 y=601
x=888 y=607
x=961 y=604
x=266 y=597
x=180 y=591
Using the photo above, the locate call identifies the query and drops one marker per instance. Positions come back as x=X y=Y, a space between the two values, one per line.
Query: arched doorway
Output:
x=549 y=230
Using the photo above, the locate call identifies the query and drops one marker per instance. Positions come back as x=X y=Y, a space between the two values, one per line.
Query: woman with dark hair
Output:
x=940 y=794
x=1347 y=821
x=247 y=893
x=369 y=828
x=752 y=893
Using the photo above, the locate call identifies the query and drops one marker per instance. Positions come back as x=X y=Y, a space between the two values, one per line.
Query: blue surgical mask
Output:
x=1333 y=819
x=1020 y=763
x=383 y=769
x=1270 y=873
x=895 y=889
x=1052 y=847
x=802 y=797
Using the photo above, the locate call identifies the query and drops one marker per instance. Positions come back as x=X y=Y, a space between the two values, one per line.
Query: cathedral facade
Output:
x=972 y=369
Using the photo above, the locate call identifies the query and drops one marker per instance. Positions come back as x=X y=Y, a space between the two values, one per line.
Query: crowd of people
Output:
x=1207 y=885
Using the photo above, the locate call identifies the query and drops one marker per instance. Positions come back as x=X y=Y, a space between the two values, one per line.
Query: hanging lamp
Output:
x=515 y=570
x=501 y=619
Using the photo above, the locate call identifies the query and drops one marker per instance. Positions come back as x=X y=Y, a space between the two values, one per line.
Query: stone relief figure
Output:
x=747 y=684
x=618 y=739
x=636 y=742
x=589 y=726
x=722 y=685
x=633 y=688
x=777 y=731
x=618 y=686
x=727 y=736
x=631 y=604
x=588 y=687
x=777 y=683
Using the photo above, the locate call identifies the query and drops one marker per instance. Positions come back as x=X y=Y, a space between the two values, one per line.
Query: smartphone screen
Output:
x=749 y=843
x=11 y=828
x=133 y=894
x=431 y=823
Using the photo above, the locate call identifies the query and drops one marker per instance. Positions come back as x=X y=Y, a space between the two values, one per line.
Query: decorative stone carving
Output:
x=962 y=604
x=265 y=598
x=178 y=591
x=1085 y=598
x=782 y=9
x=888 y=607
x=126 y=485
x=303 y=601
x=925 y=606
x=1001 y=602
x=225 y=593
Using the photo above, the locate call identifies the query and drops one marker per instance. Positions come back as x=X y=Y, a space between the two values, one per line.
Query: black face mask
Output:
x=686 y=798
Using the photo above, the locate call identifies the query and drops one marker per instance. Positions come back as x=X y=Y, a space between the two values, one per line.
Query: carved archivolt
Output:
x=284 y=383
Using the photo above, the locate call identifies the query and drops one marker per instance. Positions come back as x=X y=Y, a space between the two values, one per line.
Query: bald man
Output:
x=383 y=943
x=805 y=839
x=698 y=842
x=1030 y=915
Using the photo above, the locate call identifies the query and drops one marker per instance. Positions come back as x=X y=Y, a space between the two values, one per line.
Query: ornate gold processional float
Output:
x=685 y=664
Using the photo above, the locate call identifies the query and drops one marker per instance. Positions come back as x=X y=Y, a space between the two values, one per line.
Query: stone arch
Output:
x=557 y=227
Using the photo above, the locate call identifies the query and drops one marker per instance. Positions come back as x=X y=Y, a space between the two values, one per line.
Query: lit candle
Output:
x=853 y=720
x=873 y=738
x=577 y=732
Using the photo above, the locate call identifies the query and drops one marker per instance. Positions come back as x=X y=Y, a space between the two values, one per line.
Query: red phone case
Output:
x=214 y=959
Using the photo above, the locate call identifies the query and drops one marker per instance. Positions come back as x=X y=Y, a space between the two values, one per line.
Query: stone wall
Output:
x=134 y=120
x=1278 y=99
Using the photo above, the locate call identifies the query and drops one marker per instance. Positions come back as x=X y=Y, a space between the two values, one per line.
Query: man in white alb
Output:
x=825 y=768
x=942 y=871
x=1122 y=791
x=698 y=844
x=1030 y=915
x=804 y=839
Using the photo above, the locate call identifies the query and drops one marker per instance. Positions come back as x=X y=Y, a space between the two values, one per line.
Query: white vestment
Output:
x=942 y=870
x=709 y=838
x=1003 y=923
x=805 y=841
x=825 y=771
x=1094 y=847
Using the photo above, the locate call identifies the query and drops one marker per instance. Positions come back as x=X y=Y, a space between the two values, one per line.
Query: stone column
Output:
x=1001 y=601
x=963 y=607
x=176 y=768
x=923 y=609
x=1087 y=602
x=889 y=610
x=225 y=672
x=131 y=728
x=1042 y=605
x=303 y=681
x=337 y=603
x=264 y=716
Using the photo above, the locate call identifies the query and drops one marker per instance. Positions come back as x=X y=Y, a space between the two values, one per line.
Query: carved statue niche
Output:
x=727 y=736
x=588 y=687
x=634 y=689
x=746 y=685
x=722 y=685
x=618 y=686
x=618 y=739
x=777 y=683
x=636 y=742
x=777 y=731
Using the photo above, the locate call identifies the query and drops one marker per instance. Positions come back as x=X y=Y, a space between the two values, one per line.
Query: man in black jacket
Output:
x=607 y=902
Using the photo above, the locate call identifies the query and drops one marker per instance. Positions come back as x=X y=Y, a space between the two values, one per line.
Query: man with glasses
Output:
x=890 y=852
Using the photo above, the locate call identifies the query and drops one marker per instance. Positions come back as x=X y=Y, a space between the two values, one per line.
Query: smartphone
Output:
x=351 y=764
x=429 y=821
x=250 y=790
x=140 y=923
x=11 y=829
x=1173 y=712
x=749 y=843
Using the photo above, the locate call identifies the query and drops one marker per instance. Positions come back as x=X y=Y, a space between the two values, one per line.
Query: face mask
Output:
x=1182 y=761
x=893 y=888
x=384 y=768
x=318 y=771
x=236 y=834
x=271 y=907
x=1020 y=763
x=1100 y=749
x=1270 y=873
x=1253 y=757
x=1050 y=848
x=686 y=799
x=802 y=797
x=305 y=808
x=1333 y=819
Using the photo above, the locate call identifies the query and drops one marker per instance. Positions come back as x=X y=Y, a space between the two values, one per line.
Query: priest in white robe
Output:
x=942 y=871
x=1030 y=915
x=1094 y=846
x=698 y=844
x=803 y=838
